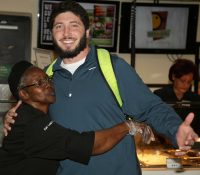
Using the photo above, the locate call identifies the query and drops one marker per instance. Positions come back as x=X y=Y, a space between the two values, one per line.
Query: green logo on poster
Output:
x=4 y=71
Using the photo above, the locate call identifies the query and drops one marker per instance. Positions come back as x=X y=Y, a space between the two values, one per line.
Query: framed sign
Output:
x=15 y=42
x=158 y=28
x=103 y=17
x=44 y=57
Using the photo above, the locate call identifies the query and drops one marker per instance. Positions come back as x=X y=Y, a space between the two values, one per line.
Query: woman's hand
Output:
x=10 y=118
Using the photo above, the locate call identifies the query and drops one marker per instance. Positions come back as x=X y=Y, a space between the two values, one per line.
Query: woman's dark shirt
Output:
x=36 y=144
x=167 y=94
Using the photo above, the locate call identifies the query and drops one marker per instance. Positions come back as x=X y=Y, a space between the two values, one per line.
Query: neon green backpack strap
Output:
x=108 y=72
x=49 y=70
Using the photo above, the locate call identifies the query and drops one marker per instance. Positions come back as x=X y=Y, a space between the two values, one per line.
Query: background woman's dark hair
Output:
x=182 y=67
x=70 y=6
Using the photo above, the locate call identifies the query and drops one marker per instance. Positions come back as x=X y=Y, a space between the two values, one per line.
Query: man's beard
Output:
x=71 y=53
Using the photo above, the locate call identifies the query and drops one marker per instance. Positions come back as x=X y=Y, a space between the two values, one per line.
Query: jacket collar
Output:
x=90 y=59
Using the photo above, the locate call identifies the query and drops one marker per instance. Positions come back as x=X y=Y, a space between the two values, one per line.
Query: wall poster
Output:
x=103 y=17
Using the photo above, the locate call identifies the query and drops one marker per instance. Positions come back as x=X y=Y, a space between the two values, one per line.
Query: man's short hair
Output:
x=70 y=6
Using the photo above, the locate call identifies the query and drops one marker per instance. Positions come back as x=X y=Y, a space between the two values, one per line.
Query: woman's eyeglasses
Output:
x=40 y=83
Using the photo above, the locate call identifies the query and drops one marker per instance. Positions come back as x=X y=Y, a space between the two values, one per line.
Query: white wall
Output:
x=151 y=68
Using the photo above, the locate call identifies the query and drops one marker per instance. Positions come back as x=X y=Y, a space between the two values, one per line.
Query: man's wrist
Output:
x=132 y=128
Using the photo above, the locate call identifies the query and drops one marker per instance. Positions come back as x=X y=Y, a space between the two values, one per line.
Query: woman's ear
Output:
x=23 y=95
